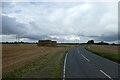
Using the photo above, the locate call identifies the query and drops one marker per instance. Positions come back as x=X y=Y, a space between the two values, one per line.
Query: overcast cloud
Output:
x=64 y=22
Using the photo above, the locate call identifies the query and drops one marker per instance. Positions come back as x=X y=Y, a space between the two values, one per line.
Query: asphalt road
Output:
x=82 y=64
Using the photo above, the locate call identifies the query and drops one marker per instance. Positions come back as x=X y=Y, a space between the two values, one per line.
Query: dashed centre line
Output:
x=106 y=74
x=85 y=58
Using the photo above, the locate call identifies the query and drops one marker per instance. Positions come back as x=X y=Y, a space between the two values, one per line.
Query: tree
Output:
x=90 y=42
x=103 y=43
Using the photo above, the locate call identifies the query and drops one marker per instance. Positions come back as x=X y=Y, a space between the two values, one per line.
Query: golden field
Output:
x=14 y=56
x=108 y=51
x=105 y=48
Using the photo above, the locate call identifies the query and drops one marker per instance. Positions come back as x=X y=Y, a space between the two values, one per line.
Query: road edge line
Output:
x=64 y=66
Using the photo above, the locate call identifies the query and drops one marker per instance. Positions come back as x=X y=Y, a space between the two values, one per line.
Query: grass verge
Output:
x=105 y=54
x=47 y=66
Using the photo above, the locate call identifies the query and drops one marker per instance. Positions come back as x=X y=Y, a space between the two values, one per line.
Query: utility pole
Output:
x=17 y=40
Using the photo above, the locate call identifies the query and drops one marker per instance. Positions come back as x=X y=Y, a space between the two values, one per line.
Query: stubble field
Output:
x=108 y=51
x=19 y=61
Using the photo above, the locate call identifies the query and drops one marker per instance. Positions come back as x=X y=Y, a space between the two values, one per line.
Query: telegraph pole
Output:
x=17 y=39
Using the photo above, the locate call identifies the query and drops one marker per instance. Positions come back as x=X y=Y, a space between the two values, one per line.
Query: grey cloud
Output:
x=35 y=37
x=11 y=26
x=109 y=38
x=98 y=22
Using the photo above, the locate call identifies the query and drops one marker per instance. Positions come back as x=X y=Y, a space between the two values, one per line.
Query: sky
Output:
x=61 y=21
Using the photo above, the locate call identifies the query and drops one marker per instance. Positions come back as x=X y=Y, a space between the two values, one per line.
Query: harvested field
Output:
x=14 y=57
x=106 y=48
x=65 y=45
x=107 y=51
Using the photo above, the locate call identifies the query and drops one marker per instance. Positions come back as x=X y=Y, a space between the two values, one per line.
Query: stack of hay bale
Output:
x=47 y=43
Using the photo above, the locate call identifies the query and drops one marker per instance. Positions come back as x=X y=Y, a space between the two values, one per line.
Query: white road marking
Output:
x=85 y=57
x=64 y=66
x=106 y=59
x=106 y=74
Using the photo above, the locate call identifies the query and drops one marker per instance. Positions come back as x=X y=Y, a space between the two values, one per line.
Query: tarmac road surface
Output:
x=82 y=64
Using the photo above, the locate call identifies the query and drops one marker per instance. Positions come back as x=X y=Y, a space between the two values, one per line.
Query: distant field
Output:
x=66 y=45
x=19 y=61
x=107 y=51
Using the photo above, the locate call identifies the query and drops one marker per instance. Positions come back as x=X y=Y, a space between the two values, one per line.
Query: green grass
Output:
x=47 y=66
x=106 y=54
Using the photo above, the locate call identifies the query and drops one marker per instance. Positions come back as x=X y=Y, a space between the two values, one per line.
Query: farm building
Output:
x=47 y=43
